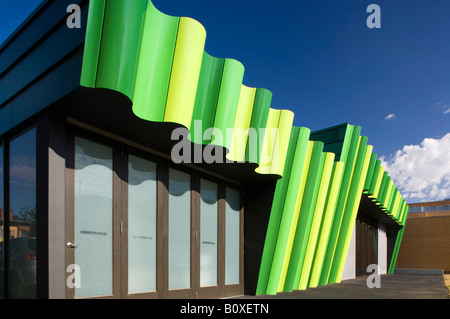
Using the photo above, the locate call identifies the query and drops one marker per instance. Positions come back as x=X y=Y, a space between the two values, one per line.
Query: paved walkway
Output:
x=396 y=286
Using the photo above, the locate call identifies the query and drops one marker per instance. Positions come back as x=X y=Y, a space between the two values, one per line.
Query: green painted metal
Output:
x=383 y=188
x=154 y=66
x=261 y=107
x=116 y=68
x=288 y=210
x=295 y=216
x=159 y=63
x=230 y=88
x=283 y=196
x=354 y=212
x=398 y=242
x=206 y=99
x=327 y=221
x=317 y=221
x=351 y=157
x=370 y=173
x=305 y=218
x=353 y=195
x=93 y=42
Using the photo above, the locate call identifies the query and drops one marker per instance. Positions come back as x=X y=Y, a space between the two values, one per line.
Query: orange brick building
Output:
x=426 y=241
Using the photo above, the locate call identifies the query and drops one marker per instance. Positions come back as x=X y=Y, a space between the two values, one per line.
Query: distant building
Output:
x=426 y=240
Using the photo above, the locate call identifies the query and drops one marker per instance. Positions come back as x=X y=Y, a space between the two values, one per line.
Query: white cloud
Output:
x=390 y=117
x=444 y=107
x=422 y=172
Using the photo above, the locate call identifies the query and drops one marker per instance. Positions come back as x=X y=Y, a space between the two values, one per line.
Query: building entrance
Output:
x=139 y=226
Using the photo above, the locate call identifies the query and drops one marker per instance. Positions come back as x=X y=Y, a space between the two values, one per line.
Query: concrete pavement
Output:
x=393 y=286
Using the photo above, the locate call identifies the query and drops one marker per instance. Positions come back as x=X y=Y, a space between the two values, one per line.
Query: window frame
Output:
x=122 y=149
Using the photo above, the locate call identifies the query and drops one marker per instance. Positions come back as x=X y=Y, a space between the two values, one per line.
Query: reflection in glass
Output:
x=22 y=246
x=1 y=223
x=208 y=233
x=232 y=236
x=179 y=230
x=93 y=218
x=141 y=225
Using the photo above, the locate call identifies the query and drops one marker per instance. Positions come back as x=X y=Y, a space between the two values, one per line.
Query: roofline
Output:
x=24 y=24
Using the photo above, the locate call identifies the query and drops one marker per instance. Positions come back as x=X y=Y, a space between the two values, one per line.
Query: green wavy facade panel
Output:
x=159 y=63
x=347 y=211
x=330 y=207
x=287 y=214
x=284 y=200
x=342 y=198
x=305 y=218
x=317 y=221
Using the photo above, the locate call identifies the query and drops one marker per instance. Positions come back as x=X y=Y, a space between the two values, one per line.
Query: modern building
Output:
x=146 y=168
x=426 y=241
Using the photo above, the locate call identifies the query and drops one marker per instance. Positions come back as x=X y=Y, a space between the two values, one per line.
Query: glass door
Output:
x=140 y=227
x=92 y=247
x=140 y=235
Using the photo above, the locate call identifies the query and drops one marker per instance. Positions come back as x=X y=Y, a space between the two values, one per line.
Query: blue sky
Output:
x=321 y=61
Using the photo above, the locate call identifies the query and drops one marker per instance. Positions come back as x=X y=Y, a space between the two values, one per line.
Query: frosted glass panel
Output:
x=232 y=236
x=141 y=225
x=179 y=230
x=93 y=218
x=208 y=234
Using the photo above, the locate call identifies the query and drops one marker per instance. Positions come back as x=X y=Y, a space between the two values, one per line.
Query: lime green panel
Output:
x=383 y=186
x=275 y=216
x=281 y=142
x=228 y=101
x=347 y=174
x=323 y=239
x=305 y=218
x=353 y=195
x=295 y=216
x=93 y=41
x=270 y=135
x=371 y=172
x=290 y=200
x=354 y=212
x=154 y=64
x=206 y=98
x=317 y=221
x=378 y=180
x=242 y=123
x=120 y=43
x=387 y=193
x=187 y=62
x=396 y=206
x=396 y=249
x=261 y=107
x=398 y=242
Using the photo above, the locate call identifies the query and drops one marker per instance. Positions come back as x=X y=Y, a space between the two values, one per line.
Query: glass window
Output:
x=22 y=253
x=208 y=233
x=141 y=225
x=179 y=230
x=232 y=236
x=94 y=218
